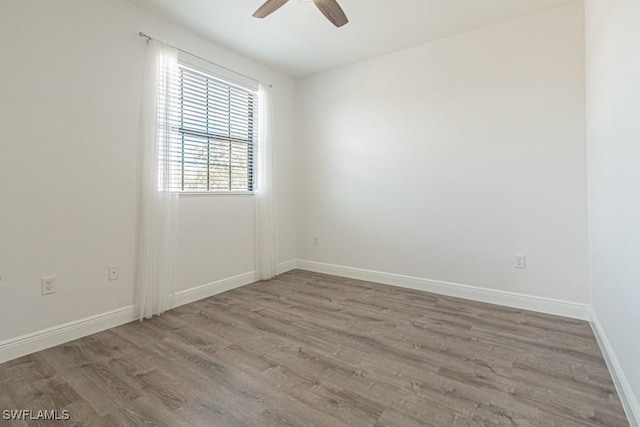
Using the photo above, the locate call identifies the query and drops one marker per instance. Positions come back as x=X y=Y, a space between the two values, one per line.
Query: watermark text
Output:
x=31 y=415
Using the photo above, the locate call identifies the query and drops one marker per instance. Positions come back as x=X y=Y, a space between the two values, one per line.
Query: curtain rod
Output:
x=149 y=38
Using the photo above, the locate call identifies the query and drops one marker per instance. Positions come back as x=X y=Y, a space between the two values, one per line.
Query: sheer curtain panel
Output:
x=158 y=206
x=265 y=193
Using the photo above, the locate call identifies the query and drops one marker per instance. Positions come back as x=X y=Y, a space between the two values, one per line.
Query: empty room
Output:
x=320 y=213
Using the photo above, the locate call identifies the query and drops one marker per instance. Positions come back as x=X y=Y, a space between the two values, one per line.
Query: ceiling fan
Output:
x=329 y=8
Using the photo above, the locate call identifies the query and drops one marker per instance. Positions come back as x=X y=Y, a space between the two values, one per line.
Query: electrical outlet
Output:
x=316 y=241
x=521 y=262
x=114 y=272
x=48 y=285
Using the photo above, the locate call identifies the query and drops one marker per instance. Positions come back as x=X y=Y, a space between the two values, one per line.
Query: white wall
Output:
x=444 y=160
x=70 y=85
x=613 y=108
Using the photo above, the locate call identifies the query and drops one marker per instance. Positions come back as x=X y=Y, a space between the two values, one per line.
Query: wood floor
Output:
x=317 y=350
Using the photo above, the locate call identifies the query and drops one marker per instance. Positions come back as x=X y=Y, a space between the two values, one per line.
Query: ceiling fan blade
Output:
x=269 y=7
x=332 y=10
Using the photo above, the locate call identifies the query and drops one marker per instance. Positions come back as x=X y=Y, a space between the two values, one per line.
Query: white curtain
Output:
x=265 y=193
x=158 y=206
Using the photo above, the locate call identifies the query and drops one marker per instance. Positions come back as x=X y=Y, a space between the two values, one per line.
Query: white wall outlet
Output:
x=521 y=262
x=114 y=272
x=48 y=284
x=316 y=241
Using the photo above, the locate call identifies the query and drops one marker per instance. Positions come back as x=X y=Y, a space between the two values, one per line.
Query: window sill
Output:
x=215 y=193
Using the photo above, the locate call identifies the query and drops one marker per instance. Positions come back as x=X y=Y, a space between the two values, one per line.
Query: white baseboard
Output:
x=224 y=285
x=40 y=340
x=211 y=289
x=629 y=401
x=30 y=343
x=283 y=267
x=492 y=296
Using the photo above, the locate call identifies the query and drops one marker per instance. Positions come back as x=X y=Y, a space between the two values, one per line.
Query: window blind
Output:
x=213 y=126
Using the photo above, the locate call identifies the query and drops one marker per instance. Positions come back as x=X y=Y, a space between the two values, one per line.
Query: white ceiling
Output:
x=298 y=40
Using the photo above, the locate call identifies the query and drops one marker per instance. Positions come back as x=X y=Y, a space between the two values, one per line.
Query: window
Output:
x=213 y=130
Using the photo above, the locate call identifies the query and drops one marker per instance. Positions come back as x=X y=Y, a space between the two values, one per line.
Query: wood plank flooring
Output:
x=316 y=350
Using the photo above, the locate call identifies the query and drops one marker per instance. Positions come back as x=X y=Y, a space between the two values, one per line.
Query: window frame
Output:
x=188 y=63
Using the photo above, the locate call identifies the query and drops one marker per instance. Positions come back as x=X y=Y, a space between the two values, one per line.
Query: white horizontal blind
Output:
x=213 y=134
